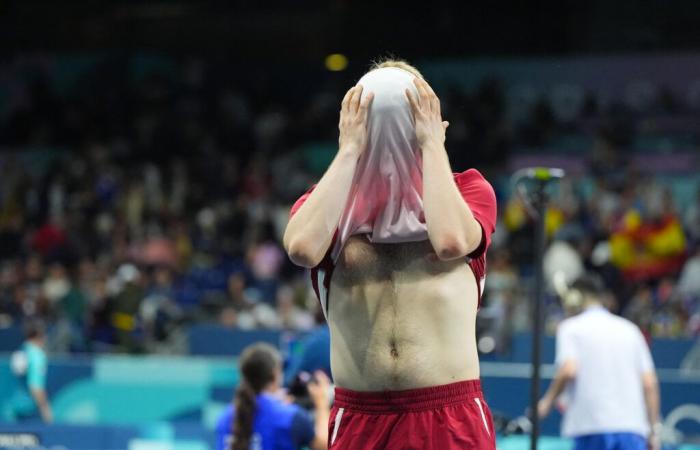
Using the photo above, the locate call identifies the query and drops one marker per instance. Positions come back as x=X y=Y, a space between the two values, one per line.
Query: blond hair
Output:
x=397 y=63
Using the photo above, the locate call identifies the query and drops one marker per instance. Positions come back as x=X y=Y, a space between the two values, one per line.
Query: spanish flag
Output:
x=648 y=250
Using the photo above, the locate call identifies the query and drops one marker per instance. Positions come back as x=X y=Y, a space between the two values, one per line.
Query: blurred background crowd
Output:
x=150 y=151
x=140 y=194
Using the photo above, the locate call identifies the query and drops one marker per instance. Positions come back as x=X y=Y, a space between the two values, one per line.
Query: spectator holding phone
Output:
x=261 y=418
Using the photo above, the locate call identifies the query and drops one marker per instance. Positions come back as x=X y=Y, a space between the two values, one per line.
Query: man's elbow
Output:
x=650 y=382
x=568 y=371
x=451 y=247
x=39 y=394
x=458 y=245
x=302 y=253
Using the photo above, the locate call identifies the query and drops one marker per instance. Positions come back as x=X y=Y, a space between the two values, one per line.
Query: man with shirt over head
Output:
x=396 y=244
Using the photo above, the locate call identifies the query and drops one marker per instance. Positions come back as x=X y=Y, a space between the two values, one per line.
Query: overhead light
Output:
x=336 y=62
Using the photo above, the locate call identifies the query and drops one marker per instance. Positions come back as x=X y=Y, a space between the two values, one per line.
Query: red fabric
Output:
x=479 y=196
x=301 y=201
x=654 y=269
x=326 y=265
x=47 y=238
x=451 y=416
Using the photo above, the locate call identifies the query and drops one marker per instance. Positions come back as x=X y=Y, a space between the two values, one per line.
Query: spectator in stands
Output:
x=30 y=365
x=99 y=171
x=641 y=309
x=261 y=418
x=72 y=314
x=158 y=312
x=689 y=281
x=291 y=316
x=236 y=310
x=9 y=309
x=605 y=367
x=497 y=313
x=691 y=220
x=127 y=302
x=238 y=297
x=265 y=260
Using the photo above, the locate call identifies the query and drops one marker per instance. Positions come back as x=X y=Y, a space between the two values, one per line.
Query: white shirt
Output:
x=611 y=355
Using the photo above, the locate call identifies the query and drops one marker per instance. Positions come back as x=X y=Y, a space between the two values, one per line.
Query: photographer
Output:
x=261 y=419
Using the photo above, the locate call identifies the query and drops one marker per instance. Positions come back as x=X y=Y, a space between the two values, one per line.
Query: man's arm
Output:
x=650 y=387
x=651 y=398
x=36 y=381
x=564 y=375
x=452 y=229
x=310 y=230
x=565 y=357
x=42 y=402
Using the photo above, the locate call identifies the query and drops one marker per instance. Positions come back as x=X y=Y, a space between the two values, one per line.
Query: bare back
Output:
x=400 y=318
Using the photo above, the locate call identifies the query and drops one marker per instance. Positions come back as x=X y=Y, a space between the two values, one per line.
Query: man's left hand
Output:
x=430 y=128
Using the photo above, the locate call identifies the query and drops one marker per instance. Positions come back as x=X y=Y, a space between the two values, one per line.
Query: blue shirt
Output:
x=36 y=367
x=21 y=403
x=315 y=355
x=277 y=426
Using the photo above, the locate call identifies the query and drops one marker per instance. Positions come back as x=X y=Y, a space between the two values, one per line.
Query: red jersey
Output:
x=481 y=199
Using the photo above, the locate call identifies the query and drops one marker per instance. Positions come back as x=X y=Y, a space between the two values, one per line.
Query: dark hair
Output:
x=258 y=365
x=589 y=285
x=34 y=328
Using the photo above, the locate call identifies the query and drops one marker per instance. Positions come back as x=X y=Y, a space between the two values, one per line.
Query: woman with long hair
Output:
x=261 y=419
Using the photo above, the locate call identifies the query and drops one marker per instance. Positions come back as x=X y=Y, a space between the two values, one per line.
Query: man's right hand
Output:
x=653 y=443
x=353 y=121
x=654 y=438
x=311 y=228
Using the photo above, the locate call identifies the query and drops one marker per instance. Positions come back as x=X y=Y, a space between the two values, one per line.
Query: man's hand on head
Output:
x=315 y=217
x=353 y=121
x=430 y=128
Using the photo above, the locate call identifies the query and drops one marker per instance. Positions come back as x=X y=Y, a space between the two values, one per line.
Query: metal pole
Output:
x=540 y=242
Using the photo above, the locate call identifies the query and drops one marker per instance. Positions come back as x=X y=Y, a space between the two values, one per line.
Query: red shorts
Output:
x=451 y=416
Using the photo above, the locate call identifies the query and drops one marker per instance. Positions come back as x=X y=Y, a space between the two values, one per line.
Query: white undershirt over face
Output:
x=611 y=356
x=386 y=198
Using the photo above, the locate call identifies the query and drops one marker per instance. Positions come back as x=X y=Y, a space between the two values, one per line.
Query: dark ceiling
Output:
x=289 y=30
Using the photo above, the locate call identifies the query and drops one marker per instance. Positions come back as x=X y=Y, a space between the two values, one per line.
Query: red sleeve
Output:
x=480 y=197
x=300 y=201
x=326 y=263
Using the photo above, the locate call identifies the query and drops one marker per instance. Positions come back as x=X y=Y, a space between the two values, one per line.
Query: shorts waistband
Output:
x=408 y=400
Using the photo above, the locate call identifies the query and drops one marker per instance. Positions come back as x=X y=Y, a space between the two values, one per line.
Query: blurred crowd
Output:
x=643 y=247
x=133 y=205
